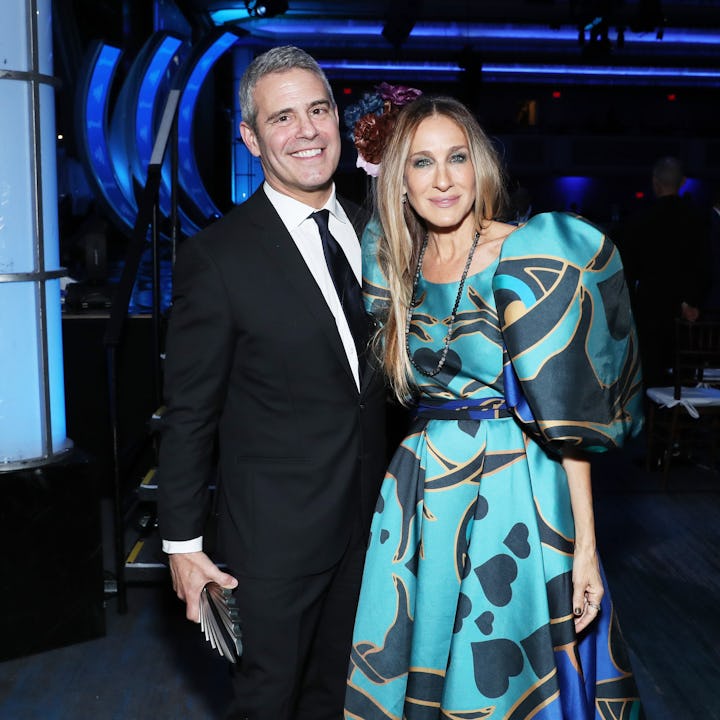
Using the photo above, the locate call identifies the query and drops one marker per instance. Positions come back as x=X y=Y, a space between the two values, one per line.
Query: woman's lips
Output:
x=444 y=201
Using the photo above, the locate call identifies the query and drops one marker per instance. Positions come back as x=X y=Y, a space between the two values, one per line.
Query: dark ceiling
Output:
x=674 y=35
x=675 y=13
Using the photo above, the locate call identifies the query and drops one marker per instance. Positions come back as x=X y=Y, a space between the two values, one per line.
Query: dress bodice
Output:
x=552 y=314
x=473 y=367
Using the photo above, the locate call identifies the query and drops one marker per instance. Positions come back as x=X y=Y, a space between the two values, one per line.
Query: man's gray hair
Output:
x=277 y=60
x=669 y=174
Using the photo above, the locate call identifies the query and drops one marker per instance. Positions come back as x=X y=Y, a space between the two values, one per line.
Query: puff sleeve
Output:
x=572 y=370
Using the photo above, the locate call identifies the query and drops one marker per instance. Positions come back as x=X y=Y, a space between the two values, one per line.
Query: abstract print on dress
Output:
x=465 y=610
x=564 y=312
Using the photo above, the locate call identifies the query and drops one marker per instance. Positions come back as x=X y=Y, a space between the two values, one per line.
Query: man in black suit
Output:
x=266 y=381
x=664 y=251
x=712 y=300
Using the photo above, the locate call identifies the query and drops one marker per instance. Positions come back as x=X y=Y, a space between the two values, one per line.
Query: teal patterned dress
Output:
x=465 y=610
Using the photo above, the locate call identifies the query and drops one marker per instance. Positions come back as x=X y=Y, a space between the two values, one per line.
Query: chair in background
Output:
x=686 y=415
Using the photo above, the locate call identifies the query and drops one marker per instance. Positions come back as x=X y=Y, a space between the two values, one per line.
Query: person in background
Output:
x=664 y=250
x=483 y=594
x=520 y=207
x=711 y=306
x=269 y=389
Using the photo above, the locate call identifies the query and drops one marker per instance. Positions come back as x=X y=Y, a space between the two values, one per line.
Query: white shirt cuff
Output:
x=182 y=546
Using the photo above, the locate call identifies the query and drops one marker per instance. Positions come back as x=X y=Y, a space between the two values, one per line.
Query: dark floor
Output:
x=661 y=553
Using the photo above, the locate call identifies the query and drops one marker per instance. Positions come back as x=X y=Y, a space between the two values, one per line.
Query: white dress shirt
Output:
x=306 y=236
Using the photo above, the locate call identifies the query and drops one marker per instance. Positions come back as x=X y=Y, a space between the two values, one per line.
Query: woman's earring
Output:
x=403 y=199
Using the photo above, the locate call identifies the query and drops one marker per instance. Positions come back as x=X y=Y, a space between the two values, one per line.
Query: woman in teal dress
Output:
x=483 y=595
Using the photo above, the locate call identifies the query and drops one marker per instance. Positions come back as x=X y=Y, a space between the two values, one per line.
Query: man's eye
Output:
x=320 y=110
x=282 y=118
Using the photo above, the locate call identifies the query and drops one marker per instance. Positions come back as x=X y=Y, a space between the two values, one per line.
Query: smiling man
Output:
x=268 y=389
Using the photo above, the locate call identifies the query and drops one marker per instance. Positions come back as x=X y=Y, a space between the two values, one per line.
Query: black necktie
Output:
x=346 y=284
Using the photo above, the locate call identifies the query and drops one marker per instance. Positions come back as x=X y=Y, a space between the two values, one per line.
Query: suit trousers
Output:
x=297 y=634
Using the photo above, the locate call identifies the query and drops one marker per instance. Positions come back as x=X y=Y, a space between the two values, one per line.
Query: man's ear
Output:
x=250 y=139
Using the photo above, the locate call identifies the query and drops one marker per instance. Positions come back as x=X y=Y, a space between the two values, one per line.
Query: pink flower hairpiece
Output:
x=371 y=120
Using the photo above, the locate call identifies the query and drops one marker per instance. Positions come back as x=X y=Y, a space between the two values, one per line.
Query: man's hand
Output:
x=689 y=313
x=190 y=573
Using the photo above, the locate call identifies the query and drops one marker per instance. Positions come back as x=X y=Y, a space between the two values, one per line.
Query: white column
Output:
x=32 y=396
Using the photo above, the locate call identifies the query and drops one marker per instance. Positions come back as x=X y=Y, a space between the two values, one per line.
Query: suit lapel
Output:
x=284 y=255
x=367 y=376
x=360 y=217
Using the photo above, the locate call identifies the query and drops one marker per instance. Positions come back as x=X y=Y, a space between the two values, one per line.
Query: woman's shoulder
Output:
x=499 y=230
x=560 y=223
x=557 y=234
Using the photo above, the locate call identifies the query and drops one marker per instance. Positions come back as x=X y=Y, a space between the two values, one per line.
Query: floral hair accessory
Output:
x=371 y=121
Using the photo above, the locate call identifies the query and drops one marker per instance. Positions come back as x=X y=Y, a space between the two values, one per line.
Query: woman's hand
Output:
x=588 y=590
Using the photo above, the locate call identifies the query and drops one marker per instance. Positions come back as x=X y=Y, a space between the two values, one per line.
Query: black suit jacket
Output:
x=664 y=252
x=254 y=359
x=712 y=301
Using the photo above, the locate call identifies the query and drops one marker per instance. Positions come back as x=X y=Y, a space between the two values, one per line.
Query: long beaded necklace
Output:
x=414 y=302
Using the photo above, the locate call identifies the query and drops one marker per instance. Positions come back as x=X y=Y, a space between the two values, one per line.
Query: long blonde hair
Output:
x=403 y=230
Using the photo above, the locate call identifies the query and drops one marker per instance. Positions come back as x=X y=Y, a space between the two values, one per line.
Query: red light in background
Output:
x=672 y=97
x=556 y=94
x=639 y=195
x=347 y=91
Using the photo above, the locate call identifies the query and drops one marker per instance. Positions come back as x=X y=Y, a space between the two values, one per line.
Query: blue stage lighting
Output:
x=197 y=69
x=93 y=94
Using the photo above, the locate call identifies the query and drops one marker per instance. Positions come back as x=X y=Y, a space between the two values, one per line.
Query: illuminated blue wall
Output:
x=247 y=173
x=116 y=141
x=32 y=401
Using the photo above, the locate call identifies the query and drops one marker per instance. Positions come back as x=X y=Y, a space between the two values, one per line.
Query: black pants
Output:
x=297 y=634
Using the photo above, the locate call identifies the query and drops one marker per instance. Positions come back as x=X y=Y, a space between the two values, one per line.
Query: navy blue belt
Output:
x=462 y=409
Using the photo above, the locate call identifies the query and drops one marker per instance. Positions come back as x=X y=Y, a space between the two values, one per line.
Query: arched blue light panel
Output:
x=136 y=116
x=118 y=160
x=124 y=121
x=197 y=69
x=92 y=102
x=158 y=68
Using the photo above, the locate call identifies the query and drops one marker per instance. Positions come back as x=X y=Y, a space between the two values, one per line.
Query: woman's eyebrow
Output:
x=453 y=149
